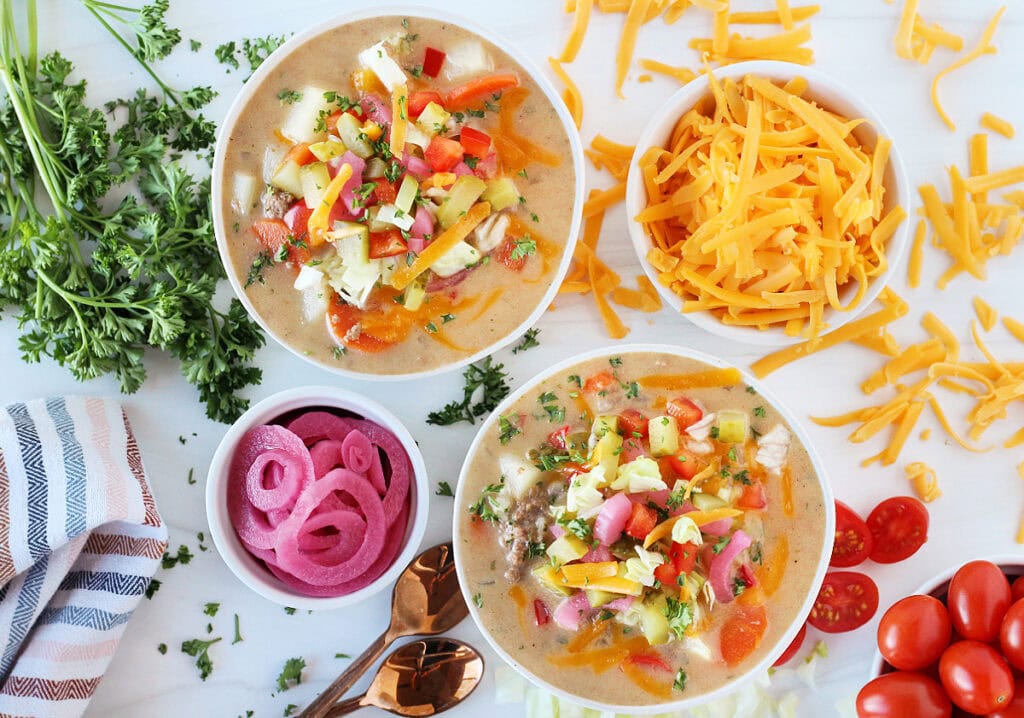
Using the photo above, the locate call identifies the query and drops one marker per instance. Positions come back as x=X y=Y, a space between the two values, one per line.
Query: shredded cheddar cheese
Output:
x=922 y=478
x=581 y=20
x=998 y=125
x=572 y=97
x=984 y=47
x=986 y=314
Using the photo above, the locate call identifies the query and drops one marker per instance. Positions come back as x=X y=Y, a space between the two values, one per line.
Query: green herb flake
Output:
x=289 y=97
x=211 y=609
x=162 y=648
x=444 y=489
x=199 y=649
x=291 y=673
x=478 y=600
x=529 y=341
x=679 y=614
x=615 y=362
x=524 y=247
x=507 y=429
x=485 y=385
x=679 y=683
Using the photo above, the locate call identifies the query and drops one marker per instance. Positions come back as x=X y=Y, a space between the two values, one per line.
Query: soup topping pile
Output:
x=393 y=192
x=323 y=502
x=648 y=523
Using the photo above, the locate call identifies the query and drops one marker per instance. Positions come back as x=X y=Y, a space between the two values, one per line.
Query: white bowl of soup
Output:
x=396 y=193
x=743 y=249
x=641 y=529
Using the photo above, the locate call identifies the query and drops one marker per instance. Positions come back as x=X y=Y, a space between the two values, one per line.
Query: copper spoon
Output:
x=426 y=601
x=422 y=678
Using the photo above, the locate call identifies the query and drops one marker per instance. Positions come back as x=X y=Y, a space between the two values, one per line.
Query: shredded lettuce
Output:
x=641 y=569
x=583 y=495
x=684 y=530
x=639 y=475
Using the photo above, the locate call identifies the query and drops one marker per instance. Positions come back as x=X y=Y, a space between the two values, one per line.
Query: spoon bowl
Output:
x=422 y=678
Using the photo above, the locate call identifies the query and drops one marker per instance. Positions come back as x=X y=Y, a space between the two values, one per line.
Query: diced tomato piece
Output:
x=642 y=521
x=503 y=254
x=557 y=438
x=274 y=234
x=651 y=660
x=685 y=411
x=387 y=244
x=442 y=154
x=300 y=154
x=742 y=633
x=419 y=100
x=667 y=574
x=475 y=142
x=683 y=557
x=540 y=612
x=684 y=463
x=297 y=218
x=747 y=575
x=754 y=497
x=342 y=318
x=384 y=192
x=601 y=381
x=633 y=423
x=433 y=59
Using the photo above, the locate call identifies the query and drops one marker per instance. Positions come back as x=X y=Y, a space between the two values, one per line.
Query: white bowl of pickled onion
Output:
x=239 y=508
x=829 y=95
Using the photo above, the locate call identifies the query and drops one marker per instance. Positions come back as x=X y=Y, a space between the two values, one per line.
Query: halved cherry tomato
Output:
x=651 y=660
x=557 y=438
x=1011 y=635
x=641 y=521
x=384 y=192
x=685 y=411
x=633 y=423
x=387 y=244
x=847 y=600
x=475 y=142
x=979 y=596
x=442 y=154
x=433 y=59
x=540 y=612
x=742 y=633
x=852 y=544
x=902 y=694
x=683 y=556
x=274 y=233
x=1017 y=588
x=976 y=677
x=300 y=154
x=666 y=573
x=899 y=527
x=503 y=254
x=342 y=318
x=602 y=381
x=754 y=496
x=914 y=632
x=1015 y=708
x=685 y=463
x=787 y=655
x=419 y=100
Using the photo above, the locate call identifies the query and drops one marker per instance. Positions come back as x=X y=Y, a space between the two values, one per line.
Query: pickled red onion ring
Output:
x=287 y=475
x=334 y=547
x=314 y=426
x=326 y=455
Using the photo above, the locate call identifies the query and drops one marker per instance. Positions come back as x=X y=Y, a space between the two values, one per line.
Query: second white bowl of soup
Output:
x=641 y=529
x=396 y=193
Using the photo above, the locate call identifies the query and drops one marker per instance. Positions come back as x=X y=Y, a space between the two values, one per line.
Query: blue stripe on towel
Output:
x=121 y=584
x=35 y=472
x=86 y=617
x=74 y=466
x=28 y=598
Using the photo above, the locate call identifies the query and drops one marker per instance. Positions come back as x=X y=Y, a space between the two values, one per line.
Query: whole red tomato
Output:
x=852 y=543
x=903 y=694
x=1016 y=707
x=914 y=632
x=979 y=596
x=1011 y=635
x=1017 y=588
x=976 y=677
x=788 y=654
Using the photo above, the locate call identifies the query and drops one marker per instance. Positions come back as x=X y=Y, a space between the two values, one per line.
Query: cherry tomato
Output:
x=1011 y=635
x=1015 y=708
x=632 y=423
x=899 y=527
x=742 y=633
x=914 y=632
x=1017 y=588
x=685 y=411
x=976 y=677
x=901 y=695
x=788 y=654
x=852 y=543
x=847 y=600
x=979 y=596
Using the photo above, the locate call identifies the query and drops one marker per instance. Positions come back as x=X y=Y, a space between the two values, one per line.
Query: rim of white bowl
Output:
x=243 y=564
x=268 y=66
x=1005 y=561
x=749 y=674
x=657 y=129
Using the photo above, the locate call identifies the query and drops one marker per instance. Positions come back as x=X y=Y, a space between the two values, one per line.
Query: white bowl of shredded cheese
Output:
x=760 y=273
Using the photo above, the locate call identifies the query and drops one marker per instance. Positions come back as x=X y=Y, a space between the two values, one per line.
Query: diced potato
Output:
x=351 y=133
x=663 y=433
x=520 y=475
x=462 y=256
x=463 y=194
x=606 y=454
x=597 y=598
x=733 y=426
x=389 y=72
x=566 y=548
x=654 y=622
x=327 y=150
x=375 y=168
x=341 y=230
x=414 y=295
x=390 y=214
x=548 y=576
x=433 y=119
x=415 y=136
x=707 y=502
x=288 y=178
x=466 y=58
x=601 y=426
x=300 y=124
x=407 y=194
x=314 y=177
x=243 y=192
x=501 y=193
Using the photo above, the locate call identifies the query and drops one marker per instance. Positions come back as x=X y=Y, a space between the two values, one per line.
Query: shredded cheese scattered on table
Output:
x=922 y=478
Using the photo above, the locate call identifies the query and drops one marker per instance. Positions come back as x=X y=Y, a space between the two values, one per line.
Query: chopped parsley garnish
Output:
x=290 y=709
x=289 y=97
x=679 y=614
x=444 y=489
x=523 y=248
x=478 y=600
x=506 y=429
x=152 y=588
x=679 y=683
x=191 y=476
x=194 y=45
x=743 y=477
x=184 y=556
x=579 y=528
x=471 y=161
x=759 y=411
x=529 y=341
x=632 y=390
x=738 y=586
x=714 y=432
x=484 y=380
x=757 y=553
x=677 y=497
x=238 y=632
x=254 y=51
x=199 y=649
x=575 y=379
x=430 y=327
x=751 y=390
x=556 y=413
x=522 y=173
x=732 y=454
x=615 y=361
x=338 y=352
x=485 y=505
x=535 y=549
x=289 y=610
x=162 y=648
x=445 y=318
x=547 y=397
x=721 y=544
x=211 y=609
x=291 y=674
x=342 y=655
x=262 y=261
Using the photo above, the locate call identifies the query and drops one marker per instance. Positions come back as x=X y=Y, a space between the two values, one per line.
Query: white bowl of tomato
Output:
x=954 y=647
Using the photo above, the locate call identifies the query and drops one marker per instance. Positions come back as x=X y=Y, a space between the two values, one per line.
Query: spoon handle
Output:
x=323 y=703
x=343 y=708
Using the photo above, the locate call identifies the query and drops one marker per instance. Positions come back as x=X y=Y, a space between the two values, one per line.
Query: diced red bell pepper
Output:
x=684 y=463
x=274 y=233
x=297 y=218
x=650 y=660
x=387 y=244
x=557 y=438
x=685 y=411
x=683 y=557
x=475 y=142
x=503 y=254
x=420 y=99
x=641 y=522
x=666 y=573
x=433 y=59
x=384 y=192
x=633 y=423
x=540 y=612
x=754 y=497
x=442 y=154
x=747 y=575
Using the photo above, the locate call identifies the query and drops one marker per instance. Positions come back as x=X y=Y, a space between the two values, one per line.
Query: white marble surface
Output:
x=852 y=40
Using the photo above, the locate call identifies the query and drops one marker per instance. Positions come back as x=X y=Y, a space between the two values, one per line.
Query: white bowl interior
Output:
x=220 y=222
x=242 y=563
x=805 y=609
x=830 y=94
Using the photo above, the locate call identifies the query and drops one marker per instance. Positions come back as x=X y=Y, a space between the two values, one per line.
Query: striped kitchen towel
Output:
x=80 y=540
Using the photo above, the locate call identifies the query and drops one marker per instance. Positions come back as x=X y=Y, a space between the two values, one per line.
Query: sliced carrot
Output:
x=300 y=154
x=479 y=89
x=342 y=319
